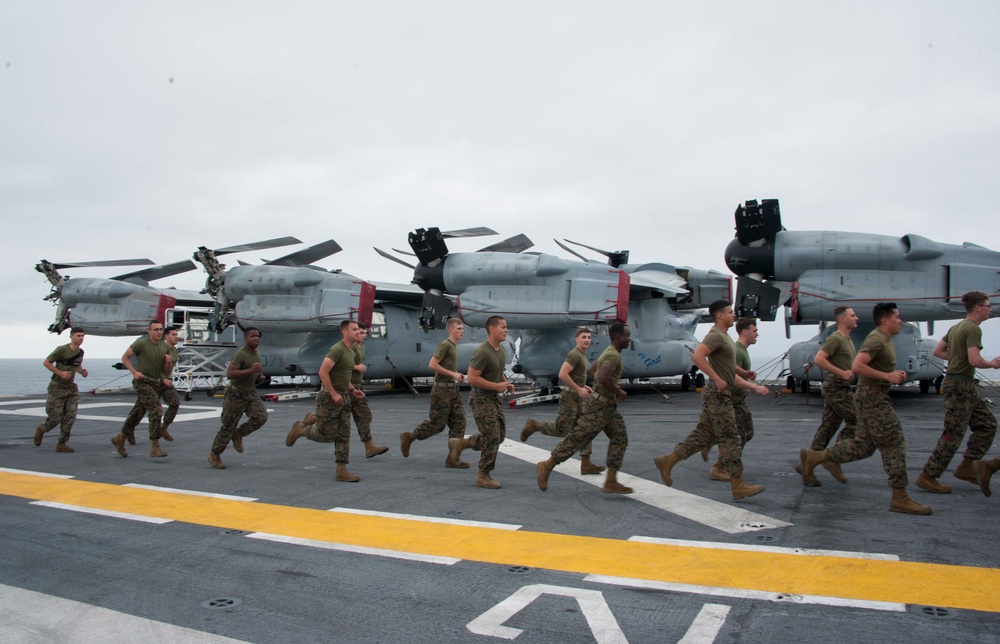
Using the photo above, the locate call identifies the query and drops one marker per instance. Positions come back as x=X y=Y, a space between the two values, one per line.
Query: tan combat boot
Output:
x=808 y=460
x=455 y=447
x=298 y=431
x=371 y=449
x=717 y=473
x=813 y=481
x=588 y=467
x=237 y=441
x=612 y=486
x=344 y=475
x=64 y=448
x=154 y=449
x=455 y=465
x=967 y=472
x=665 y=464
x=405 y=440
x=901 y=502
x=930 y=484
x=37 y=440
x=483 y=479
x=542 y=471
x=834 y=470
x=741 y=490
x=118 y=440
x=310 y=419
x=705 y=451
x=530 y=428
x=130 y=437
x=984 y=472
x=216 y=462
x=165 y=435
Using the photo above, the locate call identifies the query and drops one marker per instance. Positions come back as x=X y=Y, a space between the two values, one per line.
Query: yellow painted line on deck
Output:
x=826 y=576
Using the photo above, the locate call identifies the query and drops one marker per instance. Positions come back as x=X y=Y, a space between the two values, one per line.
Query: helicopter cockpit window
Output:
x=378 y=327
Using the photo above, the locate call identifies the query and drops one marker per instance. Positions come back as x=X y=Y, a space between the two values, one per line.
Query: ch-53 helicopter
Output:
x=813 y=272
x=297 y=306
x=544 y=298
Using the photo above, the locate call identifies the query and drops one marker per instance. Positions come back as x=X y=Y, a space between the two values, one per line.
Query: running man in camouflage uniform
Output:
x=716 y=358
x=446 y=399
x=835 y=357
x=963 y=406
x=573 y=375
x=244 y=372
x=486 y=376
x=878 y=425
x=63 y=397
x=746 y=334
x=333 y=402
x=599 y=413
x=166 y=390
x=360 y=410
x=150 y=354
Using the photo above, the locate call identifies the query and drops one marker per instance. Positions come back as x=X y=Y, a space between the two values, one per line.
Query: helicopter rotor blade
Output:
x=158 y=272
x=404 y=252
x=615 y=257
x=514 y=244
x=569 y=250
x=109 y=262
x=393 y=258
x=269 y=243
x=308 y=255
x=480 y=231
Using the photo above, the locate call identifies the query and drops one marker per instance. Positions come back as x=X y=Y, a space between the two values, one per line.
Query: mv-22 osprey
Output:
x=298 y=307
x=813 y=272
x=544 y=298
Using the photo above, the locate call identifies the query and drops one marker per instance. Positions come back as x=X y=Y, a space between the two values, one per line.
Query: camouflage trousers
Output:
x=147 y=394
x=963 y=407
x=333 y=424
x=744 y=419
x=169 y=395
x=362 y=415
x=61 y=403
x=878 y=428
x=492 y=425
x=716 y=425
x=446 y=409
x=597 y=414
x=234 y=405
x=570 y=406
x=839 y=406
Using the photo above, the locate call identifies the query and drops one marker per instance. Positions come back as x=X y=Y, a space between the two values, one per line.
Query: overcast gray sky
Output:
x=147 y=129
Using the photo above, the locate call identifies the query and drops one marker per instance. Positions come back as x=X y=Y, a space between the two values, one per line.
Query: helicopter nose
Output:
x=750 y=260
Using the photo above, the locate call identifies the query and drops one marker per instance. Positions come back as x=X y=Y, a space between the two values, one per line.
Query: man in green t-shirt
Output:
x=599 y=414
x=573 y=376
x=716 y=358
x=360 y=410
x=150 y=355
x=165 y=389
x=244 y=372
x=488 y=381
x=63 y=396
x=878 y=425
x=835 y=357
x=446 y=399
x=333 y=402
x=964 y=407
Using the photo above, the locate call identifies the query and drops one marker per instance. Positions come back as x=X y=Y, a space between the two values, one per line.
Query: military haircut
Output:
x=152 y=322
x=346 y=324
x=972 y=299
x=883 y=310
x=494 y=321
x=718 y=306
x=617 y=329
x=452 y=323
x=247 y=331
x=581 y=330
x=745 y=323
x=77 y=329
x=840 y=310
x=362 y=325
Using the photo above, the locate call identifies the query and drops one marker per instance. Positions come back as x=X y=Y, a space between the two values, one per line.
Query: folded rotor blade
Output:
x=569 y=250
x=404 y=252
x=308 y=255
x=159 y=272
x=393 y=257
x=109 y=262
x=615 y=257
x=270 y=243
x=514 y=244
x=481 y=231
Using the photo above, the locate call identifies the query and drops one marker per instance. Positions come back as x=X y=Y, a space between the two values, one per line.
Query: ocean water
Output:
x=28 y=376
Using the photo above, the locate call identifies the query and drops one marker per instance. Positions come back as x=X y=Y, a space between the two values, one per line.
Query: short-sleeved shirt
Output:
x=490 y=362
x=174 y=355
x=840 y=350
x=359 y=358
x=578 y=360
x=613 y=357
x=244 y=359
x=343 y=366
x=66 y=359
x=149 y=357
x=447 y=356
x=879 y=346
x=723 y=356
x=960 y=337
x=742 y=356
